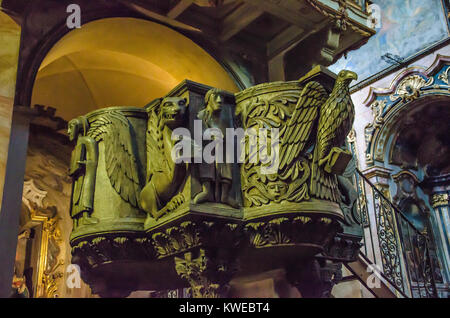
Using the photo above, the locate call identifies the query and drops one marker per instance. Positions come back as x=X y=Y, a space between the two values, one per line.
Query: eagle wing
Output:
x=120 y=159
x=334 y=124
x=296 y=134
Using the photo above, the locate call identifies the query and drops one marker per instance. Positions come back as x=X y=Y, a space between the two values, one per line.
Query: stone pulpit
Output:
x=202 y=188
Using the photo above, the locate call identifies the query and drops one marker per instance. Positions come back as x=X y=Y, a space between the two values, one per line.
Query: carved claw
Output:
x=174 y=203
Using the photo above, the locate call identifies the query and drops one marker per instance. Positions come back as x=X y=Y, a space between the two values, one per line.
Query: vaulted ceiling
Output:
x=118 y=62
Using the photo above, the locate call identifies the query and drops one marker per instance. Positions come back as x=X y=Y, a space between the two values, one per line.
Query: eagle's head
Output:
x=346 y=77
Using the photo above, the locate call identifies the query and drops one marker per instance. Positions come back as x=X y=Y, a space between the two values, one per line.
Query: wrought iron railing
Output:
x=394 y=246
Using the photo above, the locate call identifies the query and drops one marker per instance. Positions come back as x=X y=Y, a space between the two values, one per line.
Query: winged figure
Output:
x=120 y=158
x=165 y=179
x=333 y=116
x=313 y=128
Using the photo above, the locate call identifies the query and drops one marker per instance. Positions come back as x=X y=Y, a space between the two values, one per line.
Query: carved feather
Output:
x=120 y=158
x=336 y=119
x=297 y=133
x=335 y=122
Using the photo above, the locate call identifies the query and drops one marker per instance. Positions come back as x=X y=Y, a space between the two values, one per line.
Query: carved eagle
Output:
x=332 y=117
x=120 y=158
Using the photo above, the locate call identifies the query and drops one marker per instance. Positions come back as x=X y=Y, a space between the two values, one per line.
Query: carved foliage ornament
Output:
x=311 y=117
x=377 y=108
x=289 y=231
x=208 y=277
x=173 y=240
x=165 y=182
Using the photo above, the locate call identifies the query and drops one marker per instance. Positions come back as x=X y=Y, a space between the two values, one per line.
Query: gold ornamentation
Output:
x=409 y=88
x=444 y=76
x=377 y=108
x=438 y=200
x=48 y=275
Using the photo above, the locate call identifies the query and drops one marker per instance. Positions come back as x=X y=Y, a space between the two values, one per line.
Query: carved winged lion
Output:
x=165 y=179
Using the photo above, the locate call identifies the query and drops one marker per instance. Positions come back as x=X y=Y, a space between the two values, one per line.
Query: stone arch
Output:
x=412 y=88
x=121 y=61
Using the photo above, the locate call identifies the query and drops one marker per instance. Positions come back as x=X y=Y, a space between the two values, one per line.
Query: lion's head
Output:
x=172 y=112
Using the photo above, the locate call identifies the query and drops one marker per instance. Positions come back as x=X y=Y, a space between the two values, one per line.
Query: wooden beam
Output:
x=238 y=20
x=281 y=12
x=283 y=40
x=158 y=17
x=290 y=37
x=179 y=8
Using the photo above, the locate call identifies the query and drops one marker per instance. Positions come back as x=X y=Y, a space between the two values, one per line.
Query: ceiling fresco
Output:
x=407 y=27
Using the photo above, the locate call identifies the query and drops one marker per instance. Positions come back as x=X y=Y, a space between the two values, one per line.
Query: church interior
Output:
x=93 y=205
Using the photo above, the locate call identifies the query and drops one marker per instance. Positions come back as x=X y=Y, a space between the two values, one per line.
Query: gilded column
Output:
x=441 y=206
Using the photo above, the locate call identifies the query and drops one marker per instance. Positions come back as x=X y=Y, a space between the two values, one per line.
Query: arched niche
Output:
x=407 y=143
x=121 y=61
x=413 y=91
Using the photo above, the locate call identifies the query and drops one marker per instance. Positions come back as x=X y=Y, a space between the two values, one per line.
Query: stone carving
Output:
x=291 y=203
x=83 y=168
x=312 y=127
x=349 y=196
x=340 y=18
x=316 y=278
x=176 y=239
x=216 y=178
x=440 y=199
x=288 y=231
x=207 y=277
x=120 y=157
x=166 y=180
